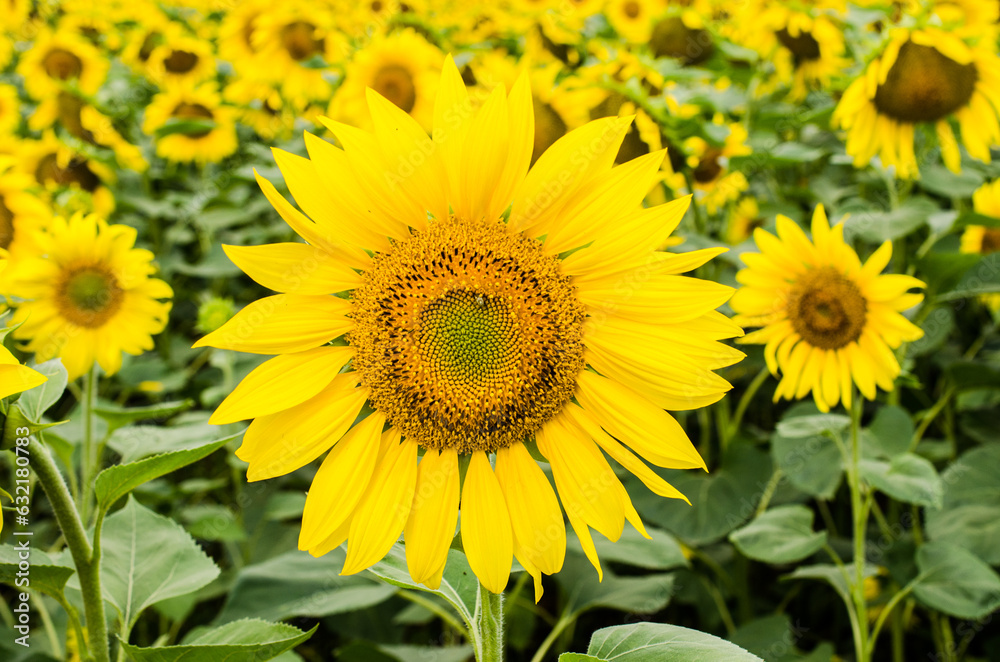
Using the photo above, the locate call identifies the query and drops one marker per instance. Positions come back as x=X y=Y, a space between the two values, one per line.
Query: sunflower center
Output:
x=194 y=111
x=89 y=296
x=300 y=41
x=6 y=225
x=991 y=240
x=671 y=38
x=827 y=309
x=76 y=172
x=803 y=46
x=62 y=64
x=631 y=9
x=180 y=62
x=925 y=86
x=466 y=336
x=396 y=84
x=709 y=166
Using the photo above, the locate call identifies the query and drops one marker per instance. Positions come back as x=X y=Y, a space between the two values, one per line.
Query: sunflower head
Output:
x=828 y=320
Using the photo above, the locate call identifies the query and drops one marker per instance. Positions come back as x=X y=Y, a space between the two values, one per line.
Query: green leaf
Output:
x=971 y=375
x=774 y=639
x=296 y=584
x=812 y=464
x=213 y=522
x=116 y=481
x=907 y=477
x=657 y=642
x=943 y=182
x=831 y=574
x=426 y=653
x=577 y=657
x=644 y=594
x=15 y=420
x=970 y=513
x=956 y=582
x=660 y=552
x=459 y=586
x=241 y=640
x=146 y=558
x=799 y=427
x=780 y=535
x=35 y=402
x=120 y=416
x=982 y=278
x=138 y=441
x=891 y=432
x=877 y=227
x=45 y=574
x=185 y=127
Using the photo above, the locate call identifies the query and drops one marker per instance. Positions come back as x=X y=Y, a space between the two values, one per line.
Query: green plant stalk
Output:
x=564 y=621
x=88 y=470
x=745 y=399
x=489 y=623
x=859 y=514
x=85 y=559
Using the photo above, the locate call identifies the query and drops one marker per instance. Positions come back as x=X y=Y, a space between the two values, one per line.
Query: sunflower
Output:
x=212 y=134
x=236 y=43
x=10 y=109
x=21 y=213
x=827 y=319
x=180 y=59
x=87 y=295
x=72 y=181
x=403 y=67
x=682 y=35
x=744 y=218
x=923 y=77
x=633 y=19
x=715 y=181
x=60 y=58
x=467 y=335
x=981 y=239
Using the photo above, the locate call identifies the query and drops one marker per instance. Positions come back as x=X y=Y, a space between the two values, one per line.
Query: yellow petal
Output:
x=650 y=431
x=341 y=481
x=521 y=132
x=486 y=532
x=277 y=444
x=282 y=382
x=484 y=157
x=282 y=324
x=383 y=511
x=294 y=268
x=18 y=378
x=535 y=515
x=453 y=113
x=433 y=515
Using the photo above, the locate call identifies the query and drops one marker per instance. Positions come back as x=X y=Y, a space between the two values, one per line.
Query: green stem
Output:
x=741 y=408
x=489 y=623
x=860 y=518
x=86 y=561
x=886 y=611
x=769 y=490
x=564 y=621
x=436 y=609
x=89 y=451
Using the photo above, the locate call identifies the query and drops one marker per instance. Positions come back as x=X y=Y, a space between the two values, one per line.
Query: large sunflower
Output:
x=827 y=319
x=87 y=295
x=433 y=288
x=923 y=77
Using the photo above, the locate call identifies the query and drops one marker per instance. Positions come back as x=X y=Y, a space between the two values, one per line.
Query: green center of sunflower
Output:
x=6 y=225
x=671 y=38
x=827 y=309
x=925 y=86
x=396 y=84
x=61 y=64
x=89 y=296
x=467 y=337
x=76 y=172
x=803 y=46
x=180 y=62
x=299 y=39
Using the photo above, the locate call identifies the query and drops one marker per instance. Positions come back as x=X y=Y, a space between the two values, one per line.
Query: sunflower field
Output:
x=531 y=330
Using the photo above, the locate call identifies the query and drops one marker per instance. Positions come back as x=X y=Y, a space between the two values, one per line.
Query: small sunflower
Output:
x=72 y=180
x=21 y=213
x=214 y=137
x=683 y=36
x=715 y=182
x=633 y=19
x=60 y=58
x=924 y=77
x=439 y=262
x=87 y=294
x=744 y=218
x=981 y=239
x=180 y=59
x=403 y=67
x=827 y=319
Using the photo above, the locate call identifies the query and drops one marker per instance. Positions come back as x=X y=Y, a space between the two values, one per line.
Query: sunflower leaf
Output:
x=240 y=640
x=955 y=581
x=657 y=642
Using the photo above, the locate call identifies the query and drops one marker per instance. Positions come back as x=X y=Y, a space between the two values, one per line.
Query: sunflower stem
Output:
x=86 y=561
x=88 y=453
x=489 y=623
x=859 y=513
